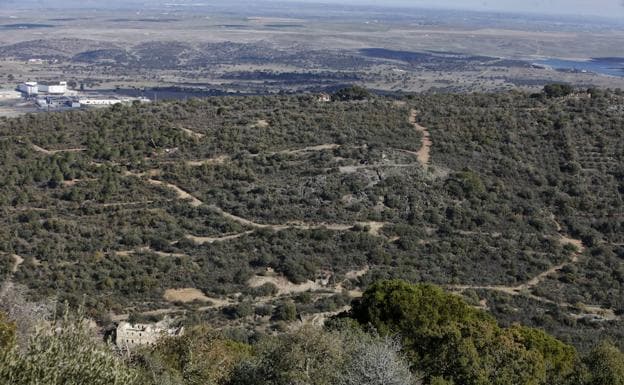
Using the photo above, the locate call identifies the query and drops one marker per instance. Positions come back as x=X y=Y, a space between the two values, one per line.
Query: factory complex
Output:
x=57 y=95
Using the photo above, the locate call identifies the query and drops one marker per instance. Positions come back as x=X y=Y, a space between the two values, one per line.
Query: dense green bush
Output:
x=447 y=338
x=351 y=93
x=558 y=90
x=65 y=354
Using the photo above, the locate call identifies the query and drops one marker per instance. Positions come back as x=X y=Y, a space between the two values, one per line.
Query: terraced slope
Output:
x=196 y=207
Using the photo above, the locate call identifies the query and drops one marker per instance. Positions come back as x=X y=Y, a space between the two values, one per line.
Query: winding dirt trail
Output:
x=147 y=249
x=298 y=151
x=597 y=312
x=191 y=133
x=354 y=169
x=183 y=195
x=320 y=286
x=424 y=154
x=73 y=182
x=210 y=240
x=221 y=159
x=537 y=280
x=52 y=152
x=374 y=227
x=320 y=147
x=285 y=288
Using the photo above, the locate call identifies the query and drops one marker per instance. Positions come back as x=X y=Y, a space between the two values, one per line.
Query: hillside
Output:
x=208 y=207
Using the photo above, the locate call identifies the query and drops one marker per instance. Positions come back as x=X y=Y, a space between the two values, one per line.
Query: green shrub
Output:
x=66 y=353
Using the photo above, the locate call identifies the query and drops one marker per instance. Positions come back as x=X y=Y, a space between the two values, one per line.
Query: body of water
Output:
x=604 y=66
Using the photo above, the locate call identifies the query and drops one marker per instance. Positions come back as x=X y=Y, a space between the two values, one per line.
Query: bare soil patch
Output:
x=284 y=286
x=262 y=124
x=185 y=295
x=17 y=261
x=354 y=274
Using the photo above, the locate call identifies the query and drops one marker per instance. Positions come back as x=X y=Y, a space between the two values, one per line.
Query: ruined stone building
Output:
x=130 y=335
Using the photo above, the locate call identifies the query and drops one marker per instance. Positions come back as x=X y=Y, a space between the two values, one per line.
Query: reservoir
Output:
x=613 y=66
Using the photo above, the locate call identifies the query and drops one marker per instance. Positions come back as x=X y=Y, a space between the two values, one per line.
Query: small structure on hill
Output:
x=324 y=98
x=129 y=335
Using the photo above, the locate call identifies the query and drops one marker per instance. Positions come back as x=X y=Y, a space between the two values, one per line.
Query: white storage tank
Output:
x=53 y=88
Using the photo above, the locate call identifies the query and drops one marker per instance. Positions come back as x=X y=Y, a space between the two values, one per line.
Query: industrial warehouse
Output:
x=49 y=96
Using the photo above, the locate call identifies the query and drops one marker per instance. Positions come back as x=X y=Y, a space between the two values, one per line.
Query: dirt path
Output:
x=597 y=312
x=537 y=280
x=354 y=169
x=122 y=204
x=354 y=274
x=52 y=152
x=147 y=249
x=424 y=154
x=73 y=182
x=374 y=227
x=221 y=159
x=191 y=133
x=183 y=195
x=284 y=286
x=298 y=151
x=320 y=147
x=210 y=240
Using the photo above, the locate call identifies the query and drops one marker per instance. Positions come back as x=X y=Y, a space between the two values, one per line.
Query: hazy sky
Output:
x=610 y=8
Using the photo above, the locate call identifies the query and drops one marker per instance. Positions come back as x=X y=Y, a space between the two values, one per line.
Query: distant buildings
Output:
x=59 y=88
x=34 y=88
x=28 y=88
x=324 y=98
x=109 y=101
x=57 y=102
x=99 y=102
x=54 y=95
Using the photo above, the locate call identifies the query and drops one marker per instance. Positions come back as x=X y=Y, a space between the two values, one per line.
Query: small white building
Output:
x=324 y=98
x=28 y=88
x=99 y=102
x=59 y=88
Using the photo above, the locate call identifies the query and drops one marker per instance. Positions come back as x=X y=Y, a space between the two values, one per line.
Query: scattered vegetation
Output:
x=319 y=191
x=397 y=334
